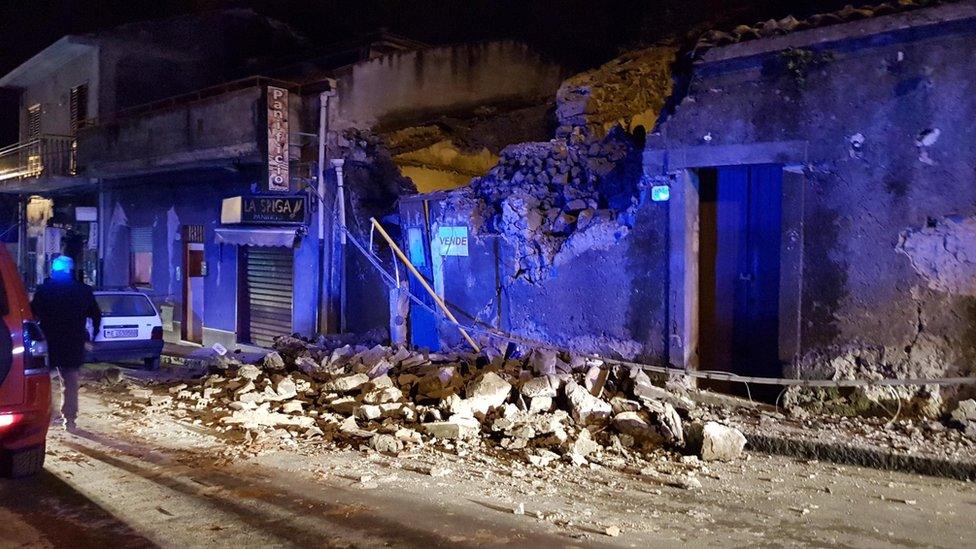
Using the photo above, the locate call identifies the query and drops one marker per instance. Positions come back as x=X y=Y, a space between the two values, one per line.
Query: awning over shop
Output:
x=257 y=236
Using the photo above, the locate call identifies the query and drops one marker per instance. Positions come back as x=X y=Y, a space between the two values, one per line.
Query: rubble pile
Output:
x=543 y=407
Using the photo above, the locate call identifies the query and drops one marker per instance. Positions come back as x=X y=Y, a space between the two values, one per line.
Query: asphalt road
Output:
x=132 y=479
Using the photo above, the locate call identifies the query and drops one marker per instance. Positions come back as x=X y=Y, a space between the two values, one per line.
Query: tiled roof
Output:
x=773 y=27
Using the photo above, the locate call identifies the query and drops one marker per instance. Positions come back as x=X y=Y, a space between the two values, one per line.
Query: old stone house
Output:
x=805 y=208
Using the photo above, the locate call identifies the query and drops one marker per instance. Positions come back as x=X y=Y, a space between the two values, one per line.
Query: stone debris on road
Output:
x=542 y=408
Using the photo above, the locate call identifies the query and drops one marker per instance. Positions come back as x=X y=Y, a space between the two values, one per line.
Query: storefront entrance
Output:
x=267 y=280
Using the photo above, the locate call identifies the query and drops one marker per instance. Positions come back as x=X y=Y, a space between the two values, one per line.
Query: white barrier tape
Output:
x=700 y=374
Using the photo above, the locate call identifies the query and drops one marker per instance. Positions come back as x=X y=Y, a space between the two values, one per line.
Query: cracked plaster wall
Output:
x=890 y=191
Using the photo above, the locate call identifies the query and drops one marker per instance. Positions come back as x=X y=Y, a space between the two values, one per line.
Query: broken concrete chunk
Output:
x=379 y=369
x=369 y=412
x=543 y=361
x=308 y=366
x=285 y=388
x=487 y=392
x=595 y=380
x=713 y=441
x=620 y=404
x=249 y=372
x=339 y=357
x=344 y=405
x=383 y=395
x=637 y=426
x=381 y=382
x=540 y=404
x=291 y=407
x=584 y=445
x=585 y=407
x=385 y=444
x=261 y=417
x=408 y=435
x=667 y=420
x=543 y=458
x=455 y=428
x=345 y=384
x=542 y=386
x=273 y=362
x=965 y=411
x=646 y=390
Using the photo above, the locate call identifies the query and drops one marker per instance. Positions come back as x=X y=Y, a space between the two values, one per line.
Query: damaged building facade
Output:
x=203 y=191
x=804 y=209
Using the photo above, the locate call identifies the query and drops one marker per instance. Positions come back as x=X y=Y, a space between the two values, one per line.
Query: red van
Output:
x=25 y=384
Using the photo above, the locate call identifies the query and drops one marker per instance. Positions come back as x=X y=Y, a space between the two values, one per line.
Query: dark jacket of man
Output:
x=62 y=305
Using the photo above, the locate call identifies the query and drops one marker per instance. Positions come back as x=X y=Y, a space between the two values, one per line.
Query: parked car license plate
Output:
x=118 y=333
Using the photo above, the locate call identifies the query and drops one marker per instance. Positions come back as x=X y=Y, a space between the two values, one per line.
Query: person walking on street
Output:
x=62 y=305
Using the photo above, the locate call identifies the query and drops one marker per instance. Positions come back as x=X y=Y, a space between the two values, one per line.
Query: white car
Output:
x=131 y=329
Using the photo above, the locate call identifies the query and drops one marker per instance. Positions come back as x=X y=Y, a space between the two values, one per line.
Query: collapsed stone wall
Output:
x=579 y=250
x=554 y=199
x=627 y=92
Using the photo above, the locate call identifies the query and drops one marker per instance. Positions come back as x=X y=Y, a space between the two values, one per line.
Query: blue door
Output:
x=422 y=322
x=739 y=268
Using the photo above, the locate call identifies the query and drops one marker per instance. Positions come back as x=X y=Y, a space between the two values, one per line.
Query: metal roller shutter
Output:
x=269 y=291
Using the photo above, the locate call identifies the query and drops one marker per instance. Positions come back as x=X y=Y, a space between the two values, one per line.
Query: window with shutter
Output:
x=79 y=107
x=33 y=122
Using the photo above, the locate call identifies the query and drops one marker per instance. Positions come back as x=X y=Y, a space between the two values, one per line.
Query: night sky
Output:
x=578 y=33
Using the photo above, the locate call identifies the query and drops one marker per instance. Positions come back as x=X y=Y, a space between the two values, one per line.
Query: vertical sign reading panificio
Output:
x=277 y=139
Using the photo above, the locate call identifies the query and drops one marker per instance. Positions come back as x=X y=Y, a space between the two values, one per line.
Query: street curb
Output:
x=862 y=456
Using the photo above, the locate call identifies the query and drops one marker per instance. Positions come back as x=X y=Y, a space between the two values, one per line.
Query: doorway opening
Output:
x=267 y=297
x=740 y=213
x=193 y=273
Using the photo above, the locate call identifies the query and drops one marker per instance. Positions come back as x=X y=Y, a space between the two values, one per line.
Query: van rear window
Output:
x=124 y=305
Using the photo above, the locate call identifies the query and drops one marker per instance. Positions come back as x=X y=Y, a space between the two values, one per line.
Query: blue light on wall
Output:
x=660 y=193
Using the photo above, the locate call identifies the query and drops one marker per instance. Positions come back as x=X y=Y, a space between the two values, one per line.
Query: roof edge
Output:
x=932 y=16
x=61 y=51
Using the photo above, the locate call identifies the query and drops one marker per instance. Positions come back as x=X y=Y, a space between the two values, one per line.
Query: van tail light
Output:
x=157 y=332
x=35 y=349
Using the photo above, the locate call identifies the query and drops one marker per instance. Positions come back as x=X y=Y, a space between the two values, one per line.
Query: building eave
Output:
x=47 y=60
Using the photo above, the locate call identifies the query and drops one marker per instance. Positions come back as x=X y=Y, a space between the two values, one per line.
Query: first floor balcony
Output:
x=46 y=157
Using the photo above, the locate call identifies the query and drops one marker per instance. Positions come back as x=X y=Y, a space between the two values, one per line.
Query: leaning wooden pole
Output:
x=423 y=281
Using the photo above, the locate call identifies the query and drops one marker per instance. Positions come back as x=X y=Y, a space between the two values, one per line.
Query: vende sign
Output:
x=277 y=139
x=452 y=241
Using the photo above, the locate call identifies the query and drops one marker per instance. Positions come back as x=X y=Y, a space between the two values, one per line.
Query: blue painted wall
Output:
x=194 y=198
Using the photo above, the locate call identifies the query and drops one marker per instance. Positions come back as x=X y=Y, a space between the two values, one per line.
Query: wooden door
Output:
x=739 y=265
x=194 y=270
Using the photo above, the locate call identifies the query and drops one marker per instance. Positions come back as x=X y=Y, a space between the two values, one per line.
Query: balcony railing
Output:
x=47 y=155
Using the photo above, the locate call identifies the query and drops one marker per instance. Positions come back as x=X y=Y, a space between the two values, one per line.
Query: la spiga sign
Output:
x=273 y=210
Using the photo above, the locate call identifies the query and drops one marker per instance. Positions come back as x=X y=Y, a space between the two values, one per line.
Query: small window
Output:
x=141 y=256
x=79 y=107
x=33 y=122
